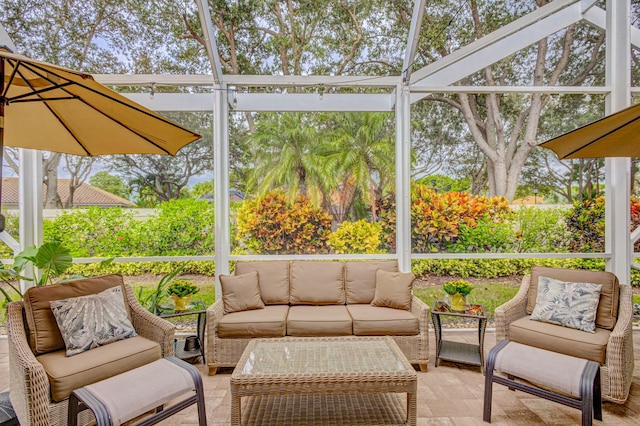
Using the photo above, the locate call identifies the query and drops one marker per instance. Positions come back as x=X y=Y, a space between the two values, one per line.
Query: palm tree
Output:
x=285 y=150
x=363 y=157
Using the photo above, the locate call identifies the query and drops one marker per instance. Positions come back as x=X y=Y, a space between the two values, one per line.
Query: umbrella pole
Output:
x=2 y=100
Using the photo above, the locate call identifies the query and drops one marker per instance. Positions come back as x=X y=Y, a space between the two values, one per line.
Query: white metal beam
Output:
x=617 y=170
x=513 y=89
x=312 y=102
x=221 y=183
x=210 y=40
x=248 y=80
x=155 y=79
x=412 y=42
x=30 y=203
x=173 y=101
x=501 y=43
x=5 y=40
x=403 y=178
x=598 y=18
x=311 y=80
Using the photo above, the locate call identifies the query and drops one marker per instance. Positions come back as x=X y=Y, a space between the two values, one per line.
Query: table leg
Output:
x=437 y=328
x=235 y=410
x=411 y=408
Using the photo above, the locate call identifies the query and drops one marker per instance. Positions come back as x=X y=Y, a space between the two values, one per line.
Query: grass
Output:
x=491 y=295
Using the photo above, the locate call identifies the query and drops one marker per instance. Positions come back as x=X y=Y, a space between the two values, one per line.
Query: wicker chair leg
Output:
x=212 y=371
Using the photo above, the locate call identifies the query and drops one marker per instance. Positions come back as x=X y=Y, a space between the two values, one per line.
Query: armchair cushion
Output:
x=273 y=278
x=44 y=334
x=66 y=374
x=360 y=279
x=560 y=339
x=571 y=305
x=241 y=292
x=87 y=322
x=607 y=307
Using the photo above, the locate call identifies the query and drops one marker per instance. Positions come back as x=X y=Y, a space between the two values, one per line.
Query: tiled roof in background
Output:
x=84 y=196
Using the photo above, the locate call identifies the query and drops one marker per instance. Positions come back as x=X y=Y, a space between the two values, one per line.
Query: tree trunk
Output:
x=50 y=175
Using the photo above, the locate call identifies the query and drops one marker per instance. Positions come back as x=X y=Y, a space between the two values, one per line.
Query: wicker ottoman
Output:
x=571 y=381
x=126 y=396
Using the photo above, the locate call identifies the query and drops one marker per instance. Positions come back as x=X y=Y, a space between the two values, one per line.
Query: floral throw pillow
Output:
x=87 y=322
x=569 y=304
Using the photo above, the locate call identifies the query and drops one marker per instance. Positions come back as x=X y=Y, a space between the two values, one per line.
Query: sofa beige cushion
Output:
x=561 y=339
x=268 y=322
x=378 y=321
x=241 y=292
x=393 y=289
x=44 y=335
x=273 y=277
x=69 y=373
x=608 y=305
x=319 y=321
x=317 y=283
x=360 y=279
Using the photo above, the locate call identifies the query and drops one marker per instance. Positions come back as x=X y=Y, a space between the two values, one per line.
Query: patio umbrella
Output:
x=51 y=108
x=615 y=135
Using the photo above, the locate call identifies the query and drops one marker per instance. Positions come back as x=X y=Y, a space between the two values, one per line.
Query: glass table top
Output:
x=318 y=356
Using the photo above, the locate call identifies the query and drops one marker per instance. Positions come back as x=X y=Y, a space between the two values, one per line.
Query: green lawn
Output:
x=491 y=295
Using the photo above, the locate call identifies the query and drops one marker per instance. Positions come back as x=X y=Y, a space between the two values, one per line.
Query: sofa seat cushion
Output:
x=69 y=373
x=379 y=321
x=360 y=279
x=561 y=339
x=317 y=283
x=268 y=322
x=331 y=320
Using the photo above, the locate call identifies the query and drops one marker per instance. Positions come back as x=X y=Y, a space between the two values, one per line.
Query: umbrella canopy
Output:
x=615 y=135
x=52 y=108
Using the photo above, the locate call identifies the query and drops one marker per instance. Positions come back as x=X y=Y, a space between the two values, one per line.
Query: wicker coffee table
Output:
x=333 y=380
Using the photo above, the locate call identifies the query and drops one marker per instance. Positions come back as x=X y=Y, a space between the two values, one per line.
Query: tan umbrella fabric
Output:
x=616 y=135
x=51 y=108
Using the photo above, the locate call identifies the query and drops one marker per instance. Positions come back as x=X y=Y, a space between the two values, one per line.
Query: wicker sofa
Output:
x=316 y=298
x=611 y=345
x=42 y=376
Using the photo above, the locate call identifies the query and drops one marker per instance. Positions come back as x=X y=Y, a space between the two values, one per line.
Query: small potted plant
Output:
x=181 y=291
x=457 y=292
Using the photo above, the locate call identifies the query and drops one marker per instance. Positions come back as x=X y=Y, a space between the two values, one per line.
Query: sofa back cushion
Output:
x=273 y=278
x=608 y=305
x=360 y=279
x=317 y=283
x=44 y=334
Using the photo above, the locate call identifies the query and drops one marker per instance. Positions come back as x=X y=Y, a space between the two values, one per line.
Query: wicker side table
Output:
x=465 y=353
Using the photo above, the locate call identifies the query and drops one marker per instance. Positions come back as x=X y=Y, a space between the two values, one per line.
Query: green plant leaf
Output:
x=53 y=257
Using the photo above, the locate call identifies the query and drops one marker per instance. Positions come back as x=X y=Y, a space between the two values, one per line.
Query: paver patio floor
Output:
x=447 y=395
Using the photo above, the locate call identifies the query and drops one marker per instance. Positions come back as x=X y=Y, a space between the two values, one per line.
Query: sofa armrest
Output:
x=421 y=310
x=215 y=312
x=150 y=326
x=512 y=310
x=28 y=381
x=619 y=354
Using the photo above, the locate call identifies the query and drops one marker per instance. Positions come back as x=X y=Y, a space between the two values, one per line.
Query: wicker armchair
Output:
x=617 y=370
x=29 y=384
